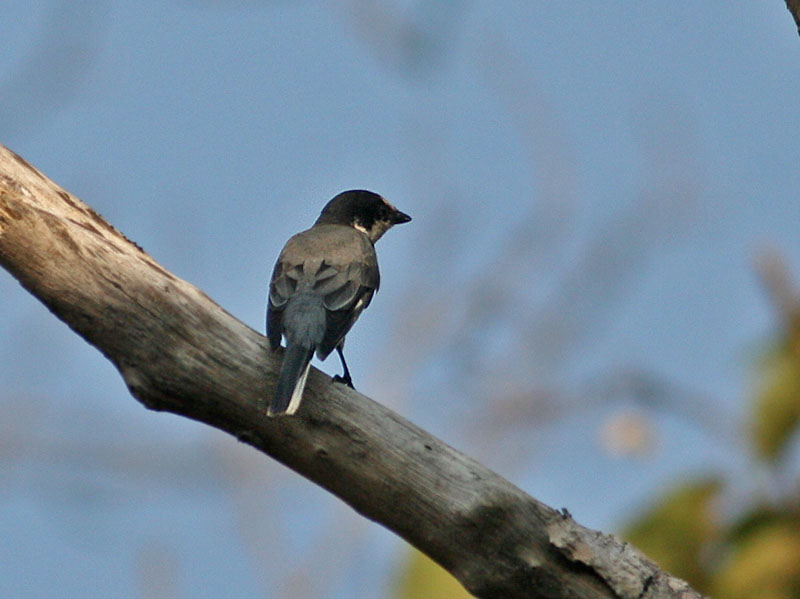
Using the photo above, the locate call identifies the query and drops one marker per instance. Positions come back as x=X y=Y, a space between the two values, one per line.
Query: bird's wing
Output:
x=337 y=264
x=343 y=287
x=348 y=294
x=281 y=289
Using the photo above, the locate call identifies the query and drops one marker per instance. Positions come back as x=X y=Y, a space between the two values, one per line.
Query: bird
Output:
x=323 y=279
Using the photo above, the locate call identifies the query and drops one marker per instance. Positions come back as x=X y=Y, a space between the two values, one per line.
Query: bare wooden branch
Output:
x=178 y=351
x=794 y=8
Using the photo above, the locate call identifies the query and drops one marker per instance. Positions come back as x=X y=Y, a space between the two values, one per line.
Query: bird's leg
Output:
x=345 y=378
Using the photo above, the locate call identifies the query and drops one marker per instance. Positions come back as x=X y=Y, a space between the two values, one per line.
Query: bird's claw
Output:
x=344 y=379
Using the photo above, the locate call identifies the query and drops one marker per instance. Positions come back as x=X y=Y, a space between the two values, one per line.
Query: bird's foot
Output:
x=346 y=380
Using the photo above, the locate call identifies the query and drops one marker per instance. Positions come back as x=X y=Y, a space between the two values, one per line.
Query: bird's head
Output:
x=363 y=210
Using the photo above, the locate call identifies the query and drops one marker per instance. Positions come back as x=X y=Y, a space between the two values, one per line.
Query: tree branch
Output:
x=794 y=8
x=179 y=352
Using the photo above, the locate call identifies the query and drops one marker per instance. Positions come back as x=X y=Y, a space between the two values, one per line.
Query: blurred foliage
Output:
x=777 y=405
x=763 y=562
x=756 y=553
x=423 y=578
x=685 y=519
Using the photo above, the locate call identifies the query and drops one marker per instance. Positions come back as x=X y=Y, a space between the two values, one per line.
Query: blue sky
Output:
x=590 y=184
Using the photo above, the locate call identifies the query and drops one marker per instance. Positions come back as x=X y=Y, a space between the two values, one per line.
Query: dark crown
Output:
x=356 y=205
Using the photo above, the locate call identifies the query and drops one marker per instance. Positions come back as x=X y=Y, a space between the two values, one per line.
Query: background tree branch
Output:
x=180 y=352
x=794 y=8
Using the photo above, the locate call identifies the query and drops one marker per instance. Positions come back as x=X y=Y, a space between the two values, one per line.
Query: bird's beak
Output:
x=400 y=217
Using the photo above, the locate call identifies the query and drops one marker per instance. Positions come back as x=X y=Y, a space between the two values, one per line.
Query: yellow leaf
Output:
x=764 y=564
x=422 y=578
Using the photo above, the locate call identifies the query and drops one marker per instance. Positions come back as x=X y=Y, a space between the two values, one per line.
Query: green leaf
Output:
x=776 y=413
x=677 y=531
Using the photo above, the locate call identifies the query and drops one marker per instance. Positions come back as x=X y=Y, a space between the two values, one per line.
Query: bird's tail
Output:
x=291 y=380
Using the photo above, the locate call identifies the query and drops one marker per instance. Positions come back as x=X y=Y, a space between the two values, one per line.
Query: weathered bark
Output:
x=179 y=352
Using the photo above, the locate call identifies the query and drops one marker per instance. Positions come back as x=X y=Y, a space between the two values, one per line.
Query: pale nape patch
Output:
x=376 y=231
